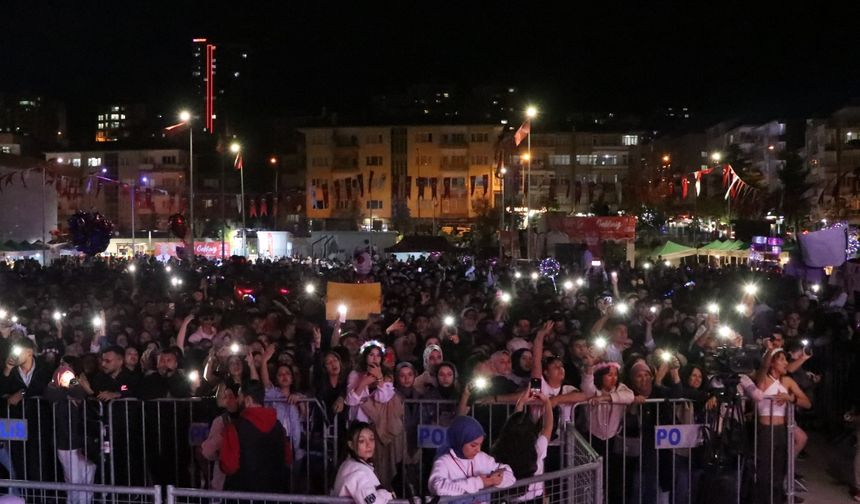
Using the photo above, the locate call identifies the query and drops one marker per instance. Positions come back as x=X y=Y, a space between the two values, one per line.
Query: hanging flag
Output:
x=252 y=207
x=421 y=183
x=360 y=179
x=552 y=189
x=727 y=170
x=337 y=190
x=577 y=192
x=522 y=133
x=264 y=207
x=275 y=206
x=486 y=179
x=732 y=184
x=325 y=194
x=446 y=187
x=408 y=187
x=238 y=164
x=347 y=184
x=472 y=184
x=370 y=183
x=434 y=187
x=698 y=176
x=684 y=187
x=590 y=192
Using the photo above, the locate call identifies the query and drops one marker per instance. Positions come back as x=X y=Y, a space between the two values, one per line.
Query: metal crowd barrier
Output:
x=65 y=493
x=195 y=496
x=132 y=443
x=634 y=471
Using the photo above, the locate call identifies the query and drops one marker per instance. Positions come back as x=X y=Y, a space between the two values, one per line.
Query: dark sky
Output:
x=632 y=57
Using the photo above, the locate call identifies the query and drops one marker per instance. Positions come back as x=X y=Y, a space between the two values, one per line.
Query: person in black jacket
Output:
x=254 y=452
x=25 y=377
x=68 y=397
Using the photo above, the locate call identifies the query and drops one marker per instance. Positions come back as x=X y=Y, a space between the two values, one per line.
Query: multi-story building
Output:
x=443 y=173
x=832 y=153
x=576 y=171
x=447 y=173
x=39 y=121
x=217 y=71
x=102 y=181
x=117 y=122
x=757 y=146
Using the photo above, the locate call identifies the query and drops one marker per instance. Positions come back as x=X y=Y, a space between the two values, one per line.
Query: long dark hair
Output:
x=516 y=445
x=352 y=435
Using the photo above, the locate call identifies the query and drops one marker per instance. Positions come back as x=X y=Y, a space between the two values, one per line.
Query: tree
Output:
x=401 y=217
x=795 y=193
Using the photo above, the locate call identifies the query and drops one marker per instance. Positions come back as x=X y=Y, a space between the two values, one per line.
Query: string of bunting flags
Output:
x=732 y=182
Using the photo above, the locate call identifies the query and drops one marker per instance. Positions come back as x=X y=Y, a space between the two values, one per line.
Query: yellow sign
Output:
x=359 y=300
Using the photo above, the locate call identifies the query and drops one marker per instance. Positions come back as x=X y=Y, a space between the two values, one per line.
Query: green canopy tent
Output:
x=672 y=252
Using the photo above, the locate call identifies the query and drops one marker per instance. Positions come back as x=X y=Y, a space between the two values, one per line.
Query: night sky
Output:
x=638 y=57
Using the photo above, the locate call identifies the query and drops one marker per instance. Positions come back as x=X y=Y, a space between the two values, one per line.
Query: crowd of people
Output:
x=473 y=335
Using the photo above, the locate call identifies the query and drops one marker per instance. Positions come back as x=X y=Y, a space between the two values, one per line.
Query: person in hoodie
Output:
x=355 y=477
x=254 y=452
x=461 y=468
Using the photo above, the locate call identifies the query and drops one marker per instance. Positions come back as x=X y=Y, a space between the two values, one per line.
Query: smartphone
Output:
x=535 y=386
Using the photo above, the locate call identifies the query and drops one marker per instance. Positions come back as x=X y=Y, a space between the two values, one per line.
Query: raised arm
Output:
x=264 y=369
x=183 y=331
x=537 y=349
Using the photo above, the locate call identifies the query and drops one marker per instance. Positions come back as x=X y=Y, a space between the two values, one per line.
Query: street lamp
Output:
x=236 y=148
x=531 y=113
x=716 y=156
x=185 y=117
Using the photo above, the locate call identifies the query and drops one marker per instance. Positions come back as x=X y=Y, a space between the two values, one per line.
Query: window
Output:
x=320 y=139
x=319 y=162
x=101 y=125
x=630 y=140
x=94 y=161
x=168 y=160
x=5 y=149
x=454 y=138
x=559 y=159
x=586 y=159
x=423 y=160
x=480 y=137
x=101 y=117
x=480 y=160
x=76 y=162
x=373 y=139
x=114 y=117
x=424 y=137
x=374 y=204
x=373 y=161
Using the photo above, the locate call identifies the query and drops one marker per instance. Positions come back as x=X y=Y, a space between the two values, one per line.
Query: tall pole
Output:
x=244 y=230
x=502 y=212
x=44 y=203
x=529 y=197
x=133 y=191
x=191 y=191
x=223 y=211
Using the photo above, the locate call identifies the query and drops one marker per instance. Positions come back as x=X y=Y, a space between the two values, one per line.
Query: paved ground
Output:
x=825 y=460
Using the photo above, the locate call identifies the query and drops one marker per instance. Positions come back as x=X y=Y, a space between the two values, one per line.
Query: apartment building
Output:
x=158 y=174
x=360 y=174
x=832 y=152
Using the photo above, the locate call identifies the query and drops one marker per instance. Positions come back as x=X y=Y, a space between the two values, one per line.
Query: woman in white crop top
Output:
x=771 y=439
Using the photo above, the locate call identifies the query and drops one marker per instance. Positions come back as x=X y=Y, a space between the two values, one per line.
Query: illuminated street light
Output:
x=185 y=116
x=531 y=112
x=716 y=156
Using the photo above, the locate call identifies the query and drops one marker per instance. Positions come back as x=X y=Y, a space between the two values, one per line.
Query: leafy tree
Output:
x=795 y=193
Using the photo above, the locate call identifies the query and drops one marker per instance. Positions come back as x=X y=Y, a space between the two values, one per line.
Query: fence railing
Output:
x=62 y=493
x=741 y=459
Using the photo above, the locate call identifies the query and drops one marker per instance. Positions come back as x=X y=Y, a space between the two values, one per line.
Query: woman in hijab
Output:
x=432 y=358
x=521 y=364
x=446 y=391
x=461 y=468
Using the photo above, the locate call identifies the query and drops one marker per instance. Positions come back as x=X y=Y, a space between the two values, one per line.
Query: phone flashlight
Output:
x=751 y=289
x=341 y=310
x=568 y=285
x=667 y=263
x=596 y=263
x=3 y=314
x=480 y=383
x=621 y=308
x=646 y=266
x=168 y=269
x=14 y=319
x=97 y=322
x=713 y=308
x=534 y=275
x=741 y=308
x=804 y=342
x=310 y=288
x=16 y=351
x=653 y=309
x=517 y=275
x=193 y=376
x=448 y=320
x=235 y=348
x=57 y=315
x=666 y=356
x=580 y=282
x=600 y=343
x=132 y=268
x=724 y=331
x=816 y=288
x=506 y=297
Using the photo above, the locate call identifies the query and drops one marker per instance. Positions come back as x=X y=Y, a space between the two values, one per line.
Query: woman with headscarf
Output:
x=521 y=364
x=461 y=468
x=446 y=390
x=432 y=357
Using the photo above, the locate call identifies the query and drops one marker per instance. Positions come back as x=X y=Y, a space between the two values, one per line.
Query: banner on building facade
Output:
x=593 y=230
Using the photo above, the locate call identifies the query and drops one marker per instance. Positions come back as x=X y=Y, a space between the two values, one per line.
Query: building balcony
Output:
x=345 y=141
